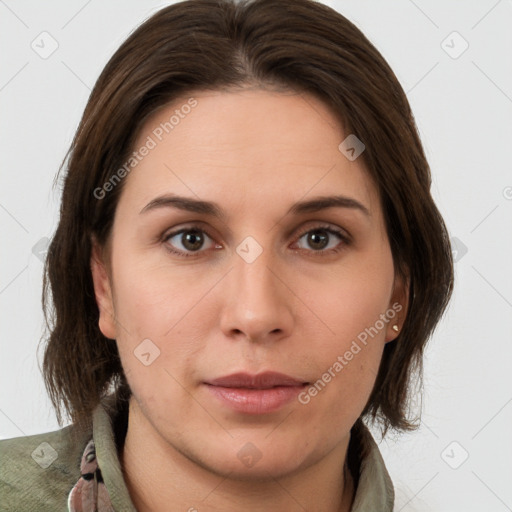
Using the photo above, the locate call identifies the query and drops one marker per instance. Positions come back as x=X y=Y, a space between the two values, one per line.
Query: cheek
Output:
x=346 y=366
x=170 y=306
x=153 y=298
x=355 y=307
x=351 y=303
x=157 y=310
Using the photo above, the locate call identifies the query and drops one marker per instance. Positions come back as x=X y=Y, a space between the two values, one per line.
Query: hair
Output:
x=197 y=45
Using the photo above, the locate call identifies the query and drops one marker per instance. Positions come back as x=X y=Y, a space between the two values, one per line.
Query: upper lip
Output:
x=265 y=380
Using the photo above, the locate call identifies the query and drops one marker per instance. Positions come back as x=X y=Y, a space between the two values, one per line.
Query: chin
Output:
x=263 y=470
x=242 y=459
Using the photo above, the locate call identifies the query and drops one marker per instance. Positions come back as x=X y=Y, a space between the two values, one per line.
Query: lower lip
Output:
x=255 y=401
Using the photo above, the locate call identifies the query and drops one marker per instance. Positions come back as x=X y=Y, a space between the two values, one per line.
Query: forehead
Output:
x=247 y=146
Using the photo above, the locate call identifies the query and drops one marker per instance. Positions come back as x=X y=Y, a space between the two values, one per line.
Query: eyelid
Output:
x=188 y=226
x=342 y=233
x=184 y=229
x=198 y=226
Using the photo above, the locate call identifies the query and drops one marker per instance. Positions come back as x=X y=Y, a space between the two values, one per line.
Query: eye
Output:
x=188 y=240
x=323 y=240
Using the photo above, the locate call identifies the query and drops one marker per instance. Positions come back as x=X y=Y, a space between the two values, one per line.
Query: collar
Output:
x=102 y=488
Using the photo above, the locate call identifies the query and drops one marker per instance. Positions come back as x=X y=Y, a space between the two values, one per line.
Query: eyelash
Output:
x=344 y=240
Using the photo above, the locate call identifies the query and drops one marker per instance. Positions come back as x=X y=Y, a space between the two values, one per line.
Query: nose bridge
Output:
x=254 y=279
x=258 y=305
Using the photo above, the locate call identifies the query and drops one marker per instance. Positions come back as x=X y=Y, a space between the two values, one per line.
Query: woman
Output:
x=247 y=265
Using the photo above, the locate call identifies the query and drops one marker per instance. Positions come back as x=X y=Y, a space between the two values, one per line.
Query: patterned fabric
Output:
x=23 y=489
x=89 y=494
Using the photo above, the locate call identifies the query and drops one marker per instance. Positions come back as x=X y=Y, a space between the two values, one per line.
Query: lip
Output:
x=261 y=393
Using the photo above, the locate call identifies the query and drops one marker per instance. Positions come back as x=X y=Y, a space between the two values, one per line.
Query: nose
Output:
x=258 y=305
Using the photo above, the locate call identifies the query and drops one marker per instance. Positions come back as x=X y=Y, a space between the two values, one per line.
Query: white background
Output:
x=463 y=107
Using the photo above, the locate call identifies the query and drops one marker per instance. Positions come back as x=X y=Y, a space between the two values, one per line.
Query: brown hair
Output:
x=195 y=45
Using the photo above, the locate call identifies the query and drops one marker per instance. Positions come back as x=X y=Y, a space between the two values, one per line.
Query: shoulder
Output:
x=38 y=471
x=374 y=488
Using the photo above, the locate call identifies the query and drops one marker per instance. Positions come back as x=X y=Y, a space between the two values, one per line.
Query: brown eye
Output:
x=322 y=240
x=192 y=240
x=188 y=240
x=317 y=239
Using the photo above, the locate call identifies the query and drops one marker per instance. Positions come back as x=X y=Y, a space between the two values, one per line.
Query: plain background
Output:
x=461 y=457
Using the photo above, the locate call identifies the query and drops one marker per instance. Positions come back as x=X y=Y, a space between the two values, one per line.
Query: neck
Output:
x=160 y=478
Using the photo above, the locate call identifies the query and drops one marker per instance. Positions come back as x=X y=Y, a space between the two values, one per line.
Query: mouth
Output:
x=255 y=394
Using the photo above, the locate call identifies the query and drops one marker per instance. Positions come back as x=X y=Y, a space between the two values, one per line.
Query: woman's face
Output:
x=246 y=242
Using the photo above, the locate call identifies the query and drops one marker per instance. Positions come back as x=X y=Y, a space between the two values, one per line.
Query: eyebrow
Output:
x=322 y=203
x=212 y=209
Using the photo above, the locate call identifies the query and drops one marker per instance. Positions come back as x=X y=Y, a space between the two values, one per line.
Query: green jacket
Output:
x=38 y=472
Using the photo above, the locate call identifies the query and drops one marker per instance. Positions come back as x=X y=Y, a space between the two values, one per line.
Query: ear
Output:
x=103 y=292
x=397 y=308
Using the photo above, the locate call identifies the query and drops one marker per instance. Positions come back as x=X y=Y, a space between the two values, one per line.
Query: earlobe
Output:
x=397 y=308
x=103 y=293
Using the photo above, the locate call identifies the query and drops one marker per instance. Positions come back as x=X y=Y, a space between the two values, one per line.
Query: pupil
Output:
x=193 y=240
x=318 y=239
